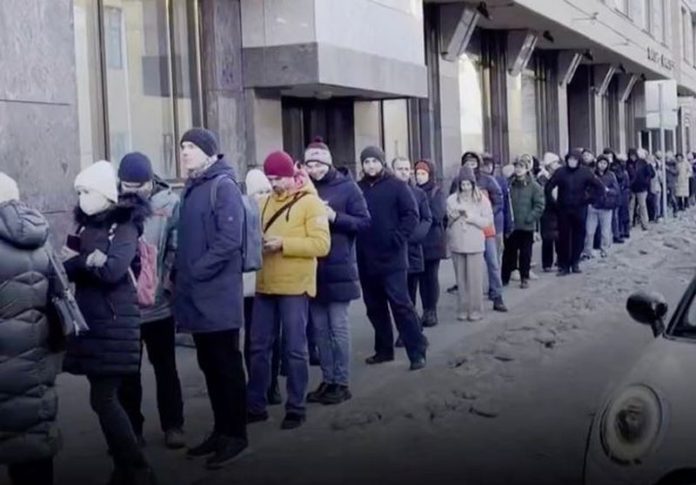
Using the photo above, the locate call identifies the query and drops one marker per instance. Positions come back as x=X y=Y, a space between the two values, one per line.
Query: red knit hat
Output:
x=279 y=164
x=423 y=165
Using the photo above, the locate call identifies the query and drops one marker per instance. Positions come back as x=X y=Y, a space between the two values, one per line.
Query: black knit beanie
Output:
x=372 y=152
x=204 y=139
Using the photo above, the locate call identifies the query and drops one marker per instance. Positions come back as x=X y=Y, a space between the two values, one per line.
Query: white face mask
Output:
x=572 y=163
x=422 y=177
x=93 y=203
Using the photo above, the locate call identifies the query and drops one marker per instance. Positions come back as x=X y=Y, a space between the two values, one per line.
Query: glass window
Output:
x=147 y=87
x=522 y=113
x=88 y=72
x=471 y=104
x=395 y=128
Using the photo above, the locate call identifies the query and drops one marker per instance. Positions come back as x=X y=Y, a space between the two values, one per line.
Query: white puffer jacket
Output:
x=465 y=232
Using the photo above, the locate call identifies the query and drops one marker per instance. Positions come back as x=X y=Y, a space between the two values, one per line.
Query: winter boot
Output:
x=379 y=359
x=228 y=450
x=563 y=272
x=430 y=318
x=499 y=306
x=292 y=421
x=208 y=446
x=336 y=395
x=418 y=363
x=318 y=394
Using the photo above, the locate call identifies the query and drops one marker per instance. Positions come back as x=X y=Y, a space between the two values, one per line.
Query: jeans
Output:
x=601 y=218
x=381 y=292
x=277 y=350
x=332 y=330
x=114 y=421
x=31 y=472
x=159 y=340
x=549 y=248
x=571 y=236
x=518 y=247
x=641 y=200
x=495 y=282
x=222 y=365
x=293 y=312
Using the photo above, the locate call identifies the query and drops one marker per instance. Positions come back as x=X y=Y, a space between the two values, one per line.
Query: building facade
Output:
x=84 y=80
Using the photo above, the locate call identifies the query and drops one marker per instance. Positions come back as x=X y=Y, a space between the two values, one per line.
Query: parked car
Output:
x=645 y=431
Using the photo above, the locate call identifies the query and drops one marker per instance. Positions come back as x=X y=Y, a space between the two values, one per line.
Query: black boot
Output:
x=229 y=449
x=430 y=318
x=292 y=421
x=336 y=394
x=499 y=305
x=379 y=359
x=316 y=396
x=208 y=446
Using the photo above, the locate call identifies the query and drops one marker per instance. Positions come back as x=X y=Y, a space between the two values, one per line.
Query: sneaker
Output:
x=533 y=276
x=524 y=284
x=499 y=306
x=228 y=450
x=462 y=317
x=273 y=396
x=336 y=394
x=318 y=394
x=576 y=269
x=209 y=445
x=292 y=421
x=418 y=363
x=399 y=342
x=379 y=359
x=453 y=290
x=253 y=417
x=174 y=438
x=515 y=276
x=475 y=317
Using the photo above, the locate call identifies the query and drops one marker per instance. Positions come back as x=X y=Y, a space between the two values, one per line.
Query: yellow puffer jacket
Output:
x=305 y=233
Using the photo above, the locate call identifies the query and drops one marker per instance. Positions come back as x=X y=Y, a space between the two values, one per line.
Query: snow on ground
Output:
x=506 y=400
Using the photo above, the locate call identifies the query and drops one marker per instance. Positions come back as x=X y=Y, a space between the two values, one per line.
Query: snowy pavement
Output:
x=506 y=400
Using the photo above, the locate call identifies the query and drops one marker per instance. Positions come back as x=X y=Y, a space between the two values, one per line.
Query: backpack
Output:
x=252 y=239
x=146 y=283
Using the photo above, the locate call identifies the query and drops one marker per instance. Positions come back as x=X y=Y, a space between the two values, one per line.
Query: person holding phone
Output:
x=295 y=234
x=103 y=272
x=469 y=212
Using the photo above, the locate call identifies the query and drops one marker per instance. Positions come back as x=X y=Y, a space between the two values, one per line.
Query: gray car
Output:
x=645 y=430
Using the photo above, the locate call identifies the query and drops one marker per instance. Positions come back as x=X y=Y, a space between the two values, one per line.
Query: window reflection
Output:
x=522 y=113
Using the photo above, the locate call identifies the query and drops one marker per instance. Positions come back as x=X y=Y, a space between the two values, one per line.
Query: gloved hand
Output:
x=96 y=259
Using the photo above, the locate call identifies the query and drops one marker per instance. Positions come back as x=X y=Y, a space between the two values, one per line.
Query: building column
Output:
x=224 y=98
x=626 y=84
x=603 y=74
x=568 y=62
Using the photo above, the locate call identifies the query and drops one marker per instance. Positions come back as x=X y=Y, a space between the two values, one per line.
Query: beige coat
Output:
x=465 y=232
x=685 y=173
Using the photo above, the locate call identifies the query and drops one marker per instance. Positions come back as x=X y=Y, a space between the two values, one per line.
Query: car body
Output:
x=645 y=430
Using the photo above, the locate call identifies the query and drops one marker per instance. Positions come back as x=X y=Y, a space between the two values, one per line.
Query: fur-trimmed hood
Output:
x=130 y=208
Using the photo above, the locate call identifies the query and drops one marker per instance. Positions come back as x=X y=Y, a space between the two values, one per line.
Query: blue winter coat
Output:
x=208 y=268
x=337 y=273
x=435 y=243
x=383 y=247
x=416 y=263
x=611 y=199
x=106 y=295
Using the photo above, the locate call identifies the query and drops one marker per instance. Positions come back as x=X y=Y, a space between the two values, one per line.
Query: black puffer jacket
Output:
x=28 y=369
x=107 y=295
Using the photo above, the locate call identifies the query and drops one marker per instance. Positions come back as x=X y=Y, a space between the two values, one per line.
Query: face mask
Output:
x=572 y=163
x=422 y=177
x=93 y=203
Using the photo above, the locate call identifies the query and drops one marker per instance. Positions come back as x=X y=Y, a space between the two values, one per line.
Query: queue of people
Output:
x=147 y=263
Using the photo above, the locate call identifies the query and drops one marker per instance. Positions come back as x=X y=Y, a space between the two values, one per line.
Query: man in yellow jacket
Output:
x=295 y=233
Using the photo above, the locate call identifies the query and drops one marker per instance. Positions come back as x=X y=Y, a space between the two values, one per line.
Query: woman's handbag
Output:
x=71 y=319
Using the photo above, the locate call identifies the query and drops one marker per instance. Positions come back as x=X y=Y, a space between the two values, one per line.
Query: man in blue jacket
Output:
x=337 y=274
x=383 y=260
x=209 y=297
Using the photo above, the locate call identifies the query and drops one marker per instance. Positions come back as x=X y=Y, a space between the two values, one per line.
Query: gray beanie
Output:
x=372 y=152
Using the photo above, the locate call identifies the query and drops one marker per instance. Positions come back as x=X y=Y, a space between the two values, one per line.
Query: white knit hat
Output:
x=549 y=158
x=256 y=181
x=318 y=151
x=8 y=188
x=99 y=177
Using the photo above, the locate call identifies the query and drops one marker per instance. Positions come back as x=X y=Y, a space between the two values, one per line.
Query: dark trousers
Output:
x=159 y=340
x=31 y=472
x=429 y=282
x=571 y=237
x=616 y=224
x=380 y=292
x=412 y=282
x=114 y=421
x=652 y=213
x=517 y=254
x=549 y=247
x=276 y=353
x=221 y=361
